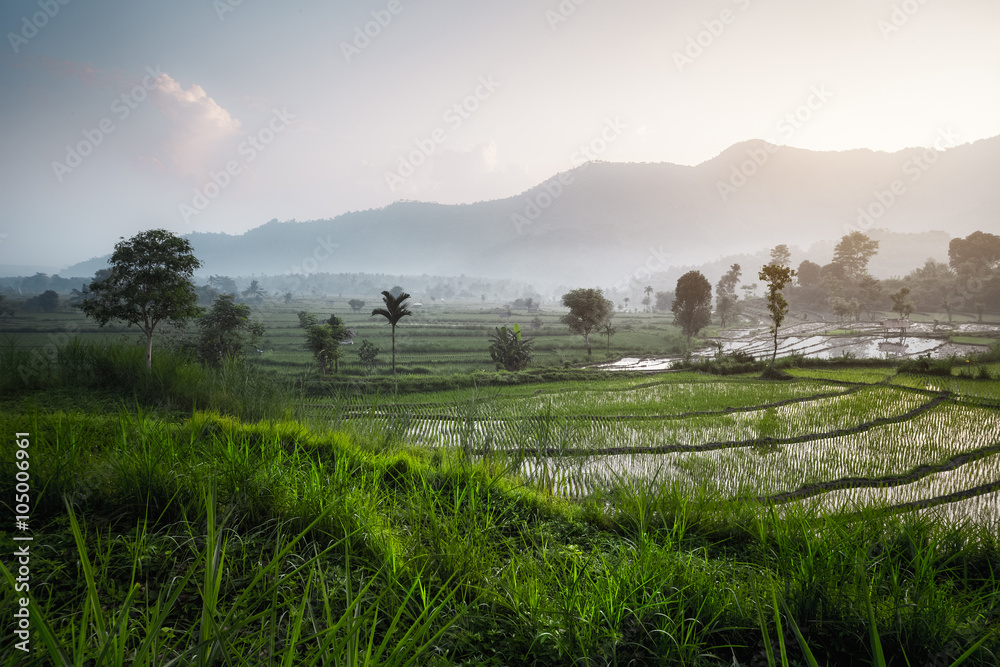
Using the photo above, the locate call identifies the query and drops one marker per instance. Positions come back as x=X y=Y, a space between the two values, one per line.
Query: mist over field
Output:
x=309 y=138
x=604 y=222
x=535 y=332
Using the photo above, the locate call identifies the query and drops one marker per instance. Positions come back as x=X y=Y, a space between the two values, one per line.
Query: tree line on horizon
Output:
x=149 y=282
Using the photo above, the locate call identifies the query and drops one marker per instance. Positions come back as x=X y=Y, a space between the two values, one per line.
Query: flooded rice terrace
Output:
x=806 y=443
x=860 y=340
x=831 y=440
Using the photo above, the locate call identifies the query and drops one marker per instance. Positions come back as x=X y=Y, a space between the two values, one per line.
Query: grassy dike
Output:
x=239 y=535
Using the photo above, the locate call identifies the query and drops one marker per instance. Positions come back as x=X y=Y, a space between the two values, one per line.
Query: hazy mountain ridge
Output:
x=600 y=223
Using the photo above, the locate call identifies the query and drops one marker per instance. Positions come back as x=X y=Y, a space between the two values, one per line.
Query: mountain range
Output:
x=602 y=223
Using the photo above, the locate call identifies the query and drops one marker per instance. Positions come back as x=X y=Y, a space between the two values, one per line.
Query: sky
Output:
x=220 y=115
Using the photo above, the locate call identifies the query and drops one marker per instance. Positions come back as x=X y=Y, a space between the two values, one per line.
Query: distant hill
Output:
x=601 y=223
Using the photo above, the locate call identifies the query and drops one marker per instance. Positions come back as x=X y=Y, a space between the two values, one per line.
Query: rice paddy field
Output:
x=439 y=338
x=847 y=515
x=846 y=439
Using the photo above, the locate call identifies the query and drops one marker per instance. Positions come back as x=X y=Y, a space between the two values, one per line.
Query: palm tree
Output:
x=394 y=311
x=254 y=291
x=607 y=330
x=649 y=291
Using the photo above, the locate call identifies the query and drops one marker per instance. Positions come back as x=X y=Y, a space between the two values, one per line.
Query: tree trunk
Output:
x=393 y=349
x=586 y=341
x=149 y=350
x=774 y=355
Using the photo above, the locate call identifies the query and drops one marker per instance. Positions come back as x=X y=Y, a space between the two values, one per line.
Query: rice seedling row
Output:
x=795 y=422
x=847 y=375
x=986 y=391
x=934 y=438
x=858 y=483
x=980 y=508
x=680 y=399
x=584 y=406
x=977 y=475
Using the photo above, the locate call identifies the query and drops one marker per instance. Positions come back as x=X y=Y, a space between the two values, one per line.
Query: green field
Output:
x=197 y=515
x=973 y=340
x=438 y=339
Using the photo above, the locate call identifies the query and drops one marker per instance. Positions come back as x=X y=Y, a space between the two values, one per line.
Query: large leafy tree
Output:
x=901 y=302
x=227 y=331
x=149 y=282
x=323 y=343
x=395 y=310
x=776 y=276
x=869 y=289
x=692 y=305
x=663 y=301
x=935 y=286
x=47 y=301
x=853 y=252
x=781 y=255
x=588 y=309
x=809 y=273
x=223 y=284
x=976 y=253
x=307 y=319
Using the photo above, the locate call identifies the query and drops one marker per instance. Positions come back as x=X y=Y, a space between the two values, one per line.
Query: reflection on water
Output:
x=870 y=342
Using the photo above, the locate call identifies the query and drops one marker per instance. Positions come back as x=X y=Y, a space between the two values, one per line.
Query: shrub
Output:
x=927 y=366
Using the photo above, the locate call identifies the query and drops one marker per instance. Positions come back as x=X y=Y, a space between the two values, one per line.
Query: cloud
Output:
x=200 y=129
x=71 y=69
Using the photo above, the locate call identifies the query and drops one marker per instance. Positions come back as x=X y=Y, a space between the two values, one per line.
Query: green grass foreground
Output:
x=211 y=541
